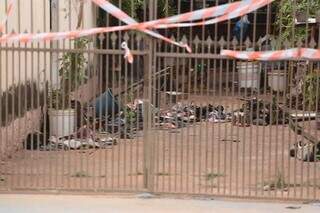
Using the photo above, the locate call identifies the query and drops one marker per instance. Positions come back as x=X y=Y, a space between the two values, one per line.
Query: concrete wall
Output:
x=13 y=134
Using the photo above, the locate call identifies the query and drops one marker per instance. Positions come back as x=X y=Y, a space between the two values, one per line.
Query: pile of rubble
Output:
x=102 y=131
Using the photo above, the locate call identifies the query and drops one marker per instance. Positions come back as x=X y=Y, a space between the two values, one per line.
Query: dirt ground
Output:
x=202 y=158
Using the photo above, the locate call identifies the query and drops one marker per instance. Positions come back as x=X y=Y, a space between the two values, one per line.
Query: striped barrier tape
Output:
x=310 y=54
x=225 y=12
x=233 y=11
x=209 y=12
x=279 y=55
x=201 y=14
x=119 y=14
x=54 y=36
x=9 y=12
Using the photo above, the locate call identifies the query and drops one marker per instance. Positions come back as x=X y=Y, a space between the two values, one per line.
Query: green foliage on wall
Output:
x=287 y=11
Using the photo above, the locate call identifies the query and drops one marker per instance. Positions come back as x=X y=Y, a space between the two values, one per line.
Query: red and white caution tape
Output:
x=232 y=11
x=38 y=37
x=310 y=54
x=133 y=25
x=9 y=12
x=201 y=14
x=223 y=12
x=116 y=12
x=279 y=55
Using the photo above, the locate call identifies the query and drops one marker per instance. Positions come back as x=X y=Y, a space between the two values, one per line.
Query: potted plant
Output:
x=72 y=73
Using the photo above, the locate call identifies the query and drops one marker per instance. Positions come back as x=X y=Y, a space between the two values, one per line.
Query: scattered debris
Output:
x=272 y=187
x=146 y=196
x=180 y=115
x=303 y=151
x=232 y=139
x=307 y=149
x=204 y=198
x=259 y=112
x=293 y=207
x=218 y=115
x=82 y=143
x=303 y=115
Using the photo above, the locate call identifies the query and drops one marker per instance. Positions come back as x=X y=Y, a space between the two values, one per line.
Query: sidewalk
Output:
x=80 y=204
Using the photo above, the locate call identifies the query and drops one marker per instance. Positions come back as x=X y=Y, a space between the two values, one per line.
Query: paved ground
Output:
x=79 y=204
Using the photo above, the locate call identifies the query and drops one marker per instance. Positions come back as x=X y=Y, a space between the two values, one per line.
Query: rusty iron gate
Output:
x=75 y=116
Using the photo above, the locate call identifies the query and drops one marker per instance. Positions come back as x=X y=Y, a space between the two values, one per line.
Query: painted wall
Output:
x=18 y=67
x=34 y=16
x=33 y=64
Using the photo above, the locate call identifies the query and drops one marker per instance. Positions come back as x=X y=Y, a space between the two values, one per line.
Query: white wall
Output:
x=17 y=67
x=68 y=10
x=34 y=16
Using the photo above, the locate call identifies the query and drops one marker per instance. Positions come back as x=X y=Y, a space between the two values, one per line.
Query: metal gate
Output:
x=75 y=116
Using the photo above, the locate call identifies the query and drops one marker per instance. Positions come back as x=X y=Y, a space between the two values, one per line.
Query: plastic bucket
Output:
x=249 y=75
x=62 y=122
x=277 y=80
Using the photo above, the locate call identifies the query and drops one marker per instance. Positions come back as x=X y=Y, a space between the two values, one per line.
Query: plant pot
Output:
x=249 y=74
x=277 y=80
x=62 y=122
